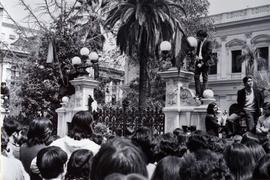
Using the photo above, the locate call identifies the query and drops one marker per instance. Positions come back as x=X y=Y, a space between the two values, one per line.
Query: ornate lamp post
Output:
x=86 y=60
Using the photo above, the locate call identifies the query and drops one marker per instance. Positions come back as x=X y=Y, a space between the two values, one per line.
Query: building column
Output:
x=223 y=59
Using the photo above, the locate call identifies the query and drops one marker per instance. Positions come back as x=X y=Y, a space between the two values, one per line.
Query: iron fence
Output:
x=125 y=121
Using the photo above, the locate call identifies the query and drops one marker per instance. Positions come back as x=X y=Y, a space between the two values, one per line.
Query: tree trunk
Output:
x=143 y=82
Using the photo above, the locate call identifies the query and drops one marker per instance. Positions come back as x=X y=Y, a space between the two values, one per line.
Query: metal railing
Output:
x=128 y=120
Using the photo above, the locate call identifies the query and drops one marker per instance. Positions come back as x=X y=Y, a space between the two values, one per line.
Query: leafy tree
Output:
x=143 y=24
x=195 y=19
x=74 y=27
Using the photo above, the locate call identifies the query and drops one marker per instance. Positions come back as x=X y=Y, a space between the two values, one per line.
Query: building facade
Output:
x=235 y=29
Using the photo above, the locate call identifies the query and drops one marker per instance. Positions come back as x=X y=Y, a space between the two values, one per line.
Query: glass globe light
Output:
x=165 y=46
x=192 y=41
x=93 y=56
x=84 y=51
x=65 y=99
x=76 y=60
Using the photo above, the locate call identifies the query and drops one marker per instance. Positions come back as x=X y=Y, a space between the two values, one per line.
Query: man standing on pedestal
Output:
x=203 y=61
x=250 y=101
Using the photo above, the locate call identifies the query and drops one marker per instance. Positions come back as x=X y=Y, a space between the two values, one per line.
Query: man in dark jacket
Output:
x=250 y=101
x=203 y=61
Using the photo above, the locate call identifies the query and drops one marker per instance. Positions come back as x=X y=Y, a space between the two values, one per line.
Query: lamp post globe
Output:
x=76 y=60
x=93 y=56
x=165 y=46
x=84 y=51
x=192 y=41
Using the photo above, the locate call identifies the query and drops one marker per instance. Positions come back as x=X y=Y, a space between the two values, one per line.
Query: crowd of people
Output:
x=87 y=153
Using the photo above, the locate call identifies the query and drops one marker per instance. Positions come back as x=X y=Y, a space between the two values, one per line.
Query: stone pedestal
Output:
x=84 y=86
x=181 y=108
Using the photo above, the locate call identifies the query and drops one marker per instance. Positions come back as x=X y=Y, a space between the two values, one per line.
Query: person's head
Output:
x=180 y=135
x=79 y=165
x=3 y=84
x=118 y=156
x=266 y=109
x=256 y=149
x=11 y=126
x=168 y=145
x=248 y=82
x=239 y=160
x=40 y=131
x=167 y=168
x=201 y=34
x=197 y=142
x=204 y=165
x=212 y=108
x=118 y=176
x=262 y=170
x=51 y=162
x=143 y=138
x=81 y=125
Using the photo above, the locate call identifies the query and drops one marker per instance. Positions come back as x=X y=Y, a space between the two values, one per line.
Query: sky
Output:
x=216 y=6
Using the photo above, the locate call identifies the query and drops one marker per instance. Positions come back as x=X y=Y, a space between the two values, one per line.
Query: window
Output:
x=236 y=65
x=213 y=69
x=264 y=54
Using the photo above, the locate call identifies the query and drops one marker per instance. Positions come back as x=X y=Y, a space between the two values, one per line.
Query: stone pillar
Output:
x=84 y=86
x=181 y=108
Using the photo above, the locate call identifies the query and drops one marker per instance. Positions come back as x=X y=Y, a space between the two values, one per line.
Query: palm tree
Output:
x=251 y=57
x=143 y=24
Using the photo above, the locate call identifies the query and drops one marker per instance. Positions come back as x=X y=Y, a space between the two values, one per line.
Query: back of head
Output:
x=204 y=165
x=11 y=126
x=167 y=168
x=168 y=145
x=39 y=132
x=81 y=125
x=256 y=149
x=51 y=161
x=118 y=176
x=118 y=156
x=79 y=165
x=197 y=142
x=262 y=170
x=143 y=139
x=240 y=160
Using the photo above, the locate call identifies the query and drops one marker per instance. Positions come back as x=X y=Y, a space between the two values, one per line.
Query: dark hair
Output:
x=40 y=131
x=201 y=33
x=180 y=135
x=118 y=156
x=3 y=83
x=11 y=126
x=262 y=170
x=167 y=168
x=245 y=79
x=168 y=145
x=210 y=108
x=79 y=165
x=204 y=165
x=240 y=160
x=256 y=149
x=81 y=125
x=50 y=161
x=266 y=146
x=143 y=138
x=4 y=140
x=197 y=142
x=118 y=176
